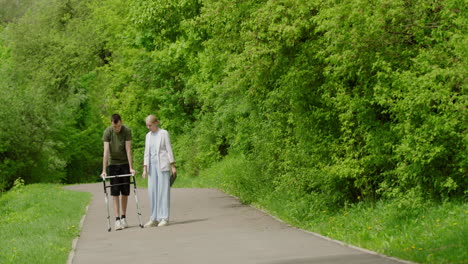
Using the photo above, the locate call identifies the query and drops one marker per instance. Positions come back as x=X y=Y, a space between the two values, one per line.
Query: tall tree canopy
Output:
x=326 y=101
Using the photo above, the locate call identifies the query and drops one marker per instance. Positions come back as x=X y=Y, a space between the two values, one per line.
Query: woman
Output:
x=158 y=160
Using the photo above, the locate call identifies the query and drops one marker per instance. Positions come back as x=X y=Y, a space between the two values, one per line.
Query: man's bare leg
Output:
x=116 y=206
x=124 y=204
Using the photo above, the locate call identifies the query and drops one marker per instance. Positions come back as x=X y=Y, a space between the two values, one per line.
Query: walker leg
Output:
x=107 y=206
x=136 y=200
x=108 y=216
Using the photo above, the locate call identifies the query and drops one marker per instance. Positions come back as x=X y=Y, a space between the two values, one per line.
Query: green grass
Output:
x=38 y=223
x=419 y=231
x=434 y=233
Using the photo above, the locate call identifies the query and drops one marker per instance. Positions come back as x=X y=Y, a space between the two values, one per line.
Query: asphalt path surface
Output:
x=206 y=226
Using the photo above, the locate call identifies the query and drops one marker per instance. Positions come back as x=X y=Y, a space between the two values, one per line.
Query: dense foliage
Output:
x=325 y=102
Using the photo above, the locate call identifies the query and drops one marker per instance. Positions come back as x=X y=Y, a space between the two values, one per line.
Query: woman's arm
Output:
x=170 y=153
x=145 y=158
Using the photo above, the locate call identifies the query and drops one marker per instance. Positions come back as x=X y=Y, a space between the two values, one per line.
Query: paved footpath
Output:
x=206 y=226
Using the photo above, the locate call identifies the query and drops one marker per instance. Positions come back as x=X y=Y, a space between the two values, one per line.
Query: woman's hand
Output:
x=145 y=169
x=174 y=170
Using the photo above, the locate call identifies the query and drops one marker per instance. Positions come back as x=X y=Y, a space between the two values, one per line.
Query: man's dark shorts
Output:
x=119 y=170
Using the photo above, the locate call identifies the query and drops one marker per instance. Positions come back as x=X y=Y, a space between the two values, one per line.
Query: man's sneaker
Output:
x=123 y=222
x=118 y=225
x=163 y=223
x=151 y=223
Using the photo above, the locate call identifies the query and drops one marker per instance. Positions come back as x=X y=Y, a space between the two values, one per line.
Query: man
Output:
x=118 y=155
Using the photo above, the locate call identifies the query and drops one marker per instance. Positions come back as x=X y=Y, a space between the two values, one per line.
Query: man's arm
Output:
x=105 y=159
x=128 y=148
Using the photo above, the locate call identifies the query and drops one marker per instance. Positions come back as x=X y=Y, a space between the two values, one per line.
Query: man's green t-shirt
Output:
x=117 y=152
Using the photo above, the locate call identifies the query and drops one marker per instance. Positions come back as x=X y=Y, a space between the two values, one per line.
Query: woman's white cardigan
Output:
x=163 y=150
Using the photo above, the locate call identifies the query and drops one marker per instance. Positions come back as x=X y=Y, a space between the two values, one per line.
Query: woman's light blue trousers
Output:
x=159 y=194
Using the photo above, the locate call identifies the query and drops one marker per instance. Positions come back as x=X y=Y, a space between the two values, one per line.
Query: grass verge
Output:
x=432 y=233
x=38 y=223
x=423 y=232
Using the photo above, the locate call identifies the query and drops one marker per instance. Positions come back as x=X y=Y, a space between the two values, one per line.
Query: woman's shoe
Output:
x=151 y=223
x=163 y=223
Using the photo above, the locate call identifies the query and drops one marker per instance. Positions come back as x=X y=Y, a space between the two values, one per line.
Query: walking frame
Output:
x=134 y=192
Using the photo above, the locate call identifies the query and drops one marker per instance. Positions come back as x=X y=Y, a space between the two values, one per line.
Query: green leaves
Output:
x=331 y=99
x=45 y=53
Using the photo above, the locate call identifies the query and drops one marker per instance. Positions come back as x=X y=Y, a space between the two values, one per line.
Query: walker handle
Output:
x=118 y=176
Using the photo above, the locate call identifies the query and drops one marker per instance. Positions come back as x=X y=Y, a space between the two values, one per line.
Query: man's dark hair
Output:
x=115 y=118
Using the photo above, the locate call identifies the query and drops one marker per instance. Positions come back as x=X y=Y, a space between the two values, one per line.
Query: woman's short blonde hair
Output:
x=151 y=118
